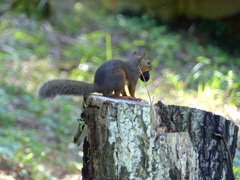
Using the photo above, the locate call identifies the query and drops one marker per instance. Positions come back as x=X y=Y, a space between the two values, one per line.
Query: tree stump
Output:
x=189 y=143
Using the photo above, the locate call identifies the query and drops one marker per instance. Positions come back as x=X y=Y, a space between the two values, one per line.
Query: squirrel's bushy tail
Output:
x=55 y=87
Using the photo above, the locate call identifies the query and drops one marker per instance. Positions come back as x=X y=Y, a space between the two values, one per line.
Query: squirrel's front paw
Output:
x=139 y=99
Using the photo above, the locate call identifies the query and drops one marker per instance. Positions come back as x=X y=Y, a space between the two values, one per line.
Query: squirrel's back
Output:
x=104 y=72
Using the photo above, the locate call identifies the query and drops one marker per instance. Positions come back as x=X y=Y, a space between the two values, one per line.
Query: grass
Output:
x=36 y=137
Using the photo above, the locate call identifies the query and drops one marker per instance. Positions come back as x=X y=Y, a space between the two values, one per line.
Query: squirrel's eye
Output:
x=148 y=62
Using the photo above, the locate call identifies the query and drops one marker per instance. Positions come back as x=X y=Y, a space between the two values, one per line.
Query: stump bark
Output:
x=189 y=143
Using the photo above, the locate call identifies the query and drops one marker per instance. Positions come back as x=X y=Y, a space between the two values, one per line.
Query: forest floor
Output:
x=36 y=137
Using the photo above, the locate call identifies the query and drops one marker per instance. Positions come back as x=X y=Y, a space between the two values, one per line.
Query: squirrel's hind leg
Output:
x=108 y=94
x=123 y=92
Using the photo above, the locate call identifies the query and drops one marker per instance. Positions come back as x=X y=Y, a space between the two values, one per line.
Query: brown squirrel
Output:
x=110 y=76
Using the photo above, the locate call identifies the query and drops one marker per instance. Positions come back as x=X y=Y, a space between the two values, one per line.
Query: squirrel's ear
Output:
x=143 y=55
x=135 y=53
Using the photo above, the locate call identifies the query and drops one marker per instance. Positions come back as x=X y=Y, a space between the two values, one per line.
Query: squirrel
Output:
x=110 y=77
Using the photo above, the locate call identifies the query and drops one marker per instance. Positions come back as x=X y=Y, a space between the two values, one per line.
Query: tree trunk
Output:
x=188 y=143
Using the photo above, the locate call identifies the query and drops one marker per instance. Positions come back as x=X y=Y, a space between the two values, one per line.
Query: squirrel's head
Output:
x=143 y=63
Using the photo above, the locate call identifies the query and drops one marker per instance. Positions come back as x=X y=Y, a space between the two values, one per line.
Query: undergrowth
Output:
x=36 y=137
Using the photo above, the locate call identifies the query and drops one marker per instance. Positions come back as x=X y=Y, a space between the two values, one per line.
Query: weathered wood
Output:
x=121 y=145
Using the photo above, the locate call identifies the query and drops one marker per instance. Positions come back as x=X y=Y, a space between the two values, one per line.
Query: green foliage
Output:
x=219 y=83
x=31 y=130
x=236 y=164
x=236 y=172
x=221 y=35
x=35 y=8
x=36 y=136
